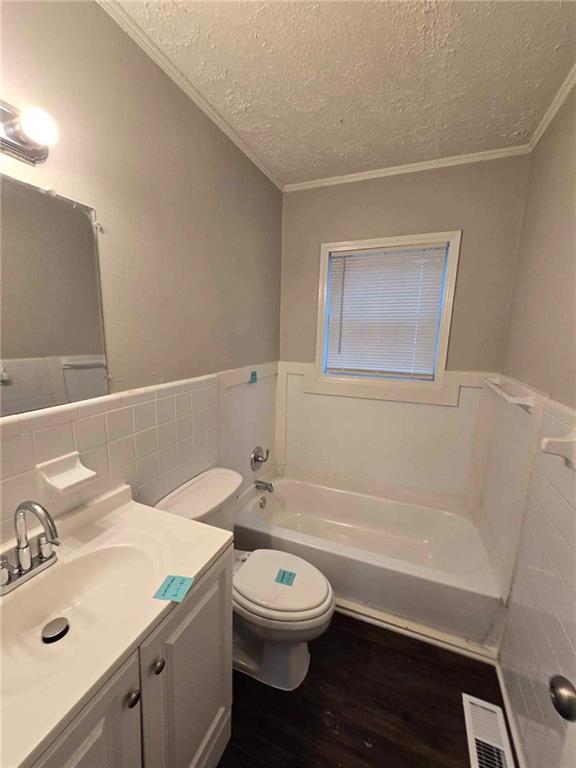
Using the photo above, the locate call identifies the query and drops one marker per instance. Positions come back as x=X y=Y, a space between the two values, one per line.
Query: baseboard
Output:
x=418 y=631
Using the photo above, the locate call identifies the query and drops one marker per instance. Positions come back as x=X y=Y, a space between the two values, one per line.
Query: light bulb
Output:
x=38 y=126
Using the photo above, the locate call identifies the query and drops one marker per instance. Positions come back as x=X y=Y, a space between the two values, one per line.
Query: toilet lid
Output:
x=279 y=581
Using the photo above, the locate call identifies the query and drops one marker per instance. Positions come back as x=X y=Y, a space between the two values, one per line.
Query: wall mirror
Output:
x=52 y=347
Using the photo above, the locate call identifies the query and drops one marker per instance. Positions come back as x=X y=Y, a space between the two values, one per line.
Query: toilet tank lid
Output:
x=202 y=494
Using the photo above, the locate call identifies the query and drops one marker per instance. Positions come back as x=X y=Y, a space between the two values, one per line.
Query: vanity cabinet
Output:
x=169 y=704
x=107 y=732
x=186 y=676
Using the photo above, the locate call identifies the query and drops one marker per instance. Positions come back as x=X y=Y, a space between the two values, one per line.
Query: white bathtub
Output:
x=421 y=564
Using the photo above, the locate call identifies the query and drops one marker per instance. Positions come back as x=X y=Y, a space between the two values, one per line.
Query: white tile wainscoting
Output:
x=159 y=437
x=153 y=438
x=540 y=635
x=510 y=452
x=246 y=414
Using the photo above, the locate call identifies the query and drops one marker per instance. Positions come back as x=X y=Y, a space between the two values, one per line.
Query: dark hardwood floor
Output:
x=372 y=698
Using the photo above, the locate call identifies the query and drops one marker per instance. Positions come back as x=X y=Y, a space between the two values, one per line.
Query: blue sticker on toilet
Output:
x=174 y=588
x=285 y=577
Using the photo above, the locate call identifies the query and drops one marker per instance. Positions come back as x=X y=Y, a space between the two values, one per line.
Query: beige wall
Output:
x=483 y=199
x=190 y=247
x=49 y=275
x=541 y=348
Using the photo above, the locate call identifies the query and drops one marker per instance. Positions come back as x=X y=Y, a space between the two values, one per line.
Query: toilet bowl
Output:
x=281 y=602
x=275 y=616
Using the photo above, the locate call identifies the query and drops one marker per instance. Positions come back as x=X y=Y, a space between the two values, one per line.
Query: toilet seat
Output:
x=280 y=587
x=261 y=615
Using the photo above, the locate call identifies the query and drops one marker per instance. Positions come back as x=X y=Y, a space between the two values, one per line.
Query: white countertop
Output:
x=115 y=553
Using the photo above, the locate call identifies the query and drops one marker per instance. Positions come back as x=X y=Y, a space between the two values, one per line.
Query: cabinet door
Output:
x=186 y=676
x=106 y=733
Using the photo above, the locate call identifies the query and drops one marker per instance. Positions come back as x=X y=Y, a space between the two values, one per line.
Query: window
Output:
x=386 y=307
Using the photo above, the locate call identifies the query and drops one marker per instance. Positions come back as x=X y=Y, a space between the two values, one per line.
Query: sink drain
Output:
x=55 y=630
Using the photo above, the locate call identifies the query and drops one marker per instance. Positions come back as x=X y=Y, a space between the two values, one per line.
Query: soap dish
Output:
x=66 y=473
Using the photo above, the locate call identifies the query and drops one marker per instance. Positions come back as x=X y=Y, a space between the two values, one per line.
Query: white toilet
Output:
x=280 y=601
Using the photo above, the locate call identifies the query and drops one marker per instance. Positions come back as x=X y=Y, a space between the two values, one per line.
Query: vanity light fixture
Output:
x=27 y=134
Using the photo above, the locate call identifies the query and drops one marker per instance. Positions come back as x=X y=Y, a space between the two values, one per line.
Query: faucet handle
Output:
x=45 y=546
x=4 y=573
x=6 y=570
x=258 y=458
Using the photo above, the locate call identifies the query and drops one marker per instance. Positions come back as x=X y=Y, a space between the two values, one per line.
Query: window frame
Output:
x=378 y=385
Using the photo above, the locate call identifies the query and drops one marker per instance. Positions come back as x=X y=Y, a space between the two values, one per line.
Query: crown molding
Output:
x=557 y=102
x=523 y=149
x=427 y=165
x=119 y=15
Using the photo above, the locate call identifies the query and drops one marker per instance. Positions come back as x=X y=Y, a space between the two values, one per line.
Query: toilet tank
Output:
x=209 y=498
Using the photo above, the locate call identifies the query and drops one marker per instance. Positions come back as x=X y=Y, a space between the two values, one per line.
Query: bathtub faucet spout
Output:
x=261 y=485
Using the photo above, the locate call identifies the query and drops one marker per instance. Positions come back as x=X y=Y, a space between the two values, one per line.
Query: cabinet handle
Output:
x=158 y=666
x=132 y=699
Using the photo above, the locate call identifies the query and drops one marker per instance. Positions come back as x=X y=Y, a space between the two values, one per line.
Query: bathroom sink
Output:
x=78 y=590
x=79 y=584
x=115 y=553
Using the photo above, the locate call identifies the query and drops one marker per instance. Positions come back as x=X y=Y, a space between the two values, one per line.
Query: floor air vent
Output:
x=487 y=737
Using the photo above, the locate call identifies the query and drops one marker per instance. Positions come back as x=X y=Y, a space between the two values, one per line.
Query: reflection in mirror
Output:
x=52 y=346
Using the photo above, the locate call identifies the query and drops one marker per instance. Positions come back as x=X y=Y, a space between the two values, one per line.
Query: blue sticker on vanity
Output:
x=285 y=577
x=174 y=588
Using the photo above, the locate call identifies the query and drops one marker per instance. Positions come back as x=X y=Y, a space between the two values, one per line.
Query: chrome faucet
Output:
x=262 y=485
x=25 y=564
x=45 y=541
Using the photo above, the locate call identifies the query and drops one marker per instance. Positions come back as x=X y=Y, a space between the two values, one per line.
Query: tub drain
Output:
x=55 y=630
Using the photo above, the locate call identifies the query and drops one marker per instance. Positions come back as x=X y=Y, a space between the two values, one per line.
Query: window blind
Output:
x=383 y=311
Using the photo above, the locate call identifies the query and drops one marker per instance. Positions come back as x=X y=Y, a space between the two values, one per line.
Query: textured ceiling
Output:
x=320 y=89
